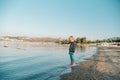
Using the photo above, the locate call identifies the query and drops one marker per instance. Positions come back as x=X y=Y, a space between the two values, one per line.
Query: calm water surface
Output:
x=37 y=61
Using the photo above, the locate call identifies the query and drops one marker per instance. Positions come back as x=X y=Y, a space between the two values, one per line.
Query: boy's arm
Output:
x=73 y=47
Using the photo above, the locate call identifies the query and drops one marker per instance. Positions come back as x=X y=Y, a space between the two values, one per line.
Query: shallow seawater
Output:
x=31 y=61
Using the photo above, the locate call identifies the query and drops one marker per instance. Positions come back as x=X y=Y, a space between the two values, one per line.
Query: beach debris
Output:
x=5 y=46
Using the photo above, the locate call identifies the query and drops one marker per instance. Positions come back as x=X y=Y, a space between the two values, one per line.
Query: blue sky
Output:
x=95 y=19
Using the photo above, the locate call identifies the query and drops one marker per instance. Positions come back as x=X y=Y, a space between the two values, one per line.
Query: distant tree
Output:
x=97 y=41
x=117 y=39
x=104 y=40
x=78 y=40
x=89 y=41
x=114 y=39
x=83 y=40
x=65 y=41
x=109 y=40
x=93 y=42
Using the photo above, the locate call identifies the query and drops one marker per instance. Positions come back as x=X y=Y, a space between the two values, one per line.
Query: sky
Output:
x=95 y=19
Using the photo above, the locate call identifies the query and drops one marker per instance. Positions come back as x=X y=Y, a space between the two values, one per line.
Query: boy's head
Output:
x=71 y=39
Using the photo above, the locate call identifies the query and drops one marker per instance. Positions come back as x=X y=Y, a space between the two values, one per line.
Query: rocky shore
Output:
x=103 y=66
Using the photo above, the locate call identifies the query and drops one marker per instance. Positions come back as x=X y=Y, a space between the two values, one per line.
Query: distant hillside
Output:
x=31 y=39
x=43 y=39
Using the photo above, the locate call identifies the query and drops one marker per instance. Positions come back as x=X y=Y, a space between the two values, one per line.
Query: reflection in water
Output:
x=37 y=61
x=81 y=49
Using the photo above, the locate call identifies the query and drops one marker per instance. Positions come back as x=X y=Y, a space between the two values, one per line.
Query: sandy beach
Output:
x=103 y=66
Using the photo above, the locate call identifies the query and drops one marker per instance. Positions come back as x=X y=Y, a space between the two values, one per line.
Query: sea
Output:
x=38 y=60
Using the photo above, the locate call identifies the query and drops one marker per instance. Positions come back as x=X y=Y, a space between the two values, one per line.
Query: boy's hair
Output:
x=72 y=38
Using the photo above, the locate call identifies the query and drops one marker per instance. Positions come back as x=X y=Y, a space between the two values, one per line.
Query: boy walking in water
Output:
x=72 y=49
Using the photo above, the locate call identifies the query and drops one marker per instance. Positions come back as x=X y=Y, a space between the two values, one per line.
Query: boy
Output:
x=72 y=49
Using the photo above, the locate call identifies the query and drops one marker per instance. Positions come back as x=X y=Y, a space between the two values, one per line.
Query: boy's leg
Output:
x=72 y=58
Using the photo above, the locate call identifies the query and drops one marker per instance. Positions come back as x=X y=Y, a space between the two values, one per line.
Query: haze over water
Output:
x=36 y=61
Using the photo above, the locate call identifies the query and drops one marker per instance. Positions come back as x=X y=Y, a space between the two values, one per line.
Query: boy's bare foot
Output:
x=71 y=65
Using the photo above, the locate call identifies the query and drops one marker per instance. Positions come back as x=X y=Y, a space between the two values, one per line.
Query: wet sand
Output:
x=105 y=65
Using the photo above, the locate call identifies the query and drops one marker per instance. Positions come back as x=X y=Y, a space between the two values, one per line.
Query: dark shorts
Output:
x=71 y=56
